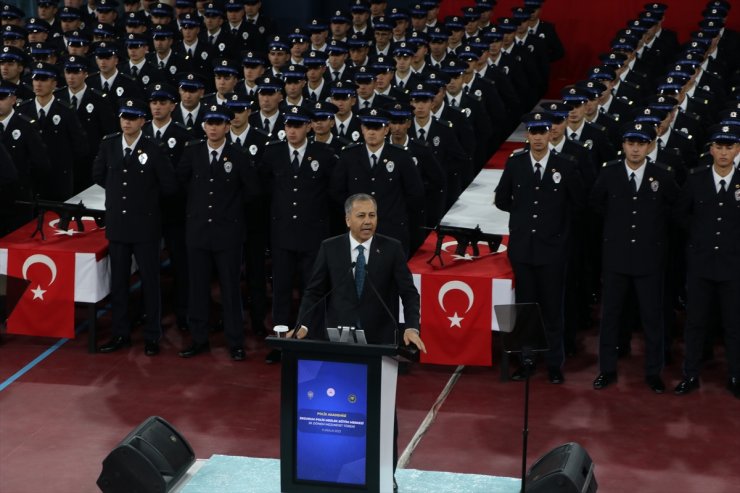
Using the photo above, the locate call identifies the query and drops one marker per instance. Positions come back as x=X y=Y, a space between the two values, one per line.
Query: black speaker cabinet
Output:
x=565 y=469
x=151 y=459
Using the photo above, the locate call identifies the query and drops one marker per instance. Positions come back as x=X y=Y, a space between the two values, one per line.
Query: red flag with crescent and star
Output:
x=46 y=307
x=456 y=319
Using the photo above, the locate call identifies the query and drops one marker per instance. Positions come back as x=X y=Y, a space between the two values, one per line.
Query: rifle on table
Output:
x=466 y=237
x=67 y=214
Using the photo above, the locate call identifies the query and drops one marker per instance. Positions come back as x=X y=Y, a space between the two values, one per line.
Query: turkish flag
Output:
x=46 y=307
x=456 y=319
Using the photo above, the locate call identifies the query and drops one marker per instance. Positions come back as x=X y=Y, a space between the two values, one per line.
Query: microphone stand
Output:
x=528 y=364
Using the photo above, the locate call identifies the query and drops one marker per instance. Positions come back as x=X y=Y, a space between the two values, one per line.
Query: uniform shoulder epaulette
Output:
x=210 y=94
x=596 y=126
x=626 y=100
x=690 y=114
x=476 y=96
x=194 y=142
x=24 y=117
x=97 y=92
x=418 y=142
x=446 y=123
x=128 y=77
x=262 y=132
x=580 y=144
x=352 y=145
x=699 y=169
x=567 y=157
x=25 y=103
x=518 y=152
x=272 y=142
x=396 y=146
x=613 y=162
x=662 y=166
x=179 y=125
x=110 y=136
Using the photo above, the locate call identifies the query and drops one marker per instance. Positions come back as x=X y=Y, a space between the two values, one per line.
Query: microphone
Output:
x=321 y=299
x=382 y=302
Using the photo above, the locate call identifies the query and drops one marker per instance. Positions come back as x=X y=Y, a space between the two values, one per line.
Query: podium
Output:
x=337 y=414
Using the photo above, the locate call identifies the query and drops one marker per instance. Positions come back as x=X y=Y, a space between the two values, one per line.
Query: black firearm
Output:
x=466 y=237
x=67 y=214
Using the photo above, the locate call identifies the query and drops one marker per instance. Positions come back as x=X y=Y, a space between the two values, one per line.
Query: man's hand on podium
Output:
x=302 y=332
x=411 y=336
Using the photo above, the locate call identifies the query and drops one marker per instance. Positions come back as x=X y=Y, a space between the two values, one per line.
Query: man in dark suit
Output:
x=219 y=179
x=94 y=110
x=376 y=260
x=135 y=173
x=173 y=136
x=59 y=128
x=541 y=190
x=296 y=174
x=634 y=196
x=709 y=209
x=384 y=171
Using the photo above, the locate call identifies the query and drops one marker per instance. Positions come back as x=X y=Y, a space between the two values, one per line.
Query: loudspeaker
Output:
x=151 y=459
x=565 y=469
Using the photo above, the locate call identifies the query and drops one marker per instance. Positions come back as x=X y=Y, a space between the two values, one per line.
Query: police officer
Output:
x=190 y=111
x=138 y=66
x=578 y=128
x=346 y=124
x=59 y=128
x=322 y=122
x=197 y=53
x=296 y=174
x=94 y=111
x=709 y=208
x=541 y=190
x=172 y=136
x=384 y=171
x=269 y=118
x=135 y=172
x=218 y=179
x=109 y=79
x=634 y=196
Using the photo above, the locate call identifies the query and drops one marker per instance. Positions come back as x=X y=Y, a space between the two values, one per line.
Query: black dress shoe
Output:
x=182 y=324
x=395 y=485
x=151 y=348
x=273 y=356
x=655 y=383
x=687 y=385
x=522 y=372
x=238 y=354
x=115 y=344
x=194 y=349
x=555 y=375
x=605 y=379
x=733 y=385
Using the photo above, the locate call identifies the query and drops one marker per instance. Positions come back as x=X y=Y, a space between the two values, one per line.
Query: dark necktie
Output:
x=400 y=84
x=106 y=87
x=234 y=32
x=267 y=125
x=453 y=102
x=295 y=163
x=366 y=104
x=161 y=65
x=360 y=267
x=75 y=102
x=466 y=89
x=2 y=129
x=238 y=141
x=633 y=182
x=212 y=39
x=422 y=134
x=312 y=96
x=134 y=70
x=722 y=187
x=375 y=161
x=189 y=122
x=341 y=129
x=537 y=172
x=158 y=135
x=335 y=75
x=661 y=144
x=573 y=136
x=214 y=158
x=190 y=52
x=42 y=116
x=126 y=154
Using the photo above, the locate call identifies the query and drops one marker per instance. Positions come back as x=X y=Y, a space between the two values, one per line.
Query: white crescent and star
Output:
x=455 y=319
x=37 y=258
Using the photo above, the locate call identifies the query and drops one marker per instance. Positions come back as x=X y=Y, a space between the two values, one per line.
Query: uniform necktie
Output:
x=134 y=70
x=375 y=161
x=453 y=102
x=2 y=129
x=214 y=157
x=422 y=134
x=400 y=84
x=295 y=163
x=158 y=135
x=42 y=116
x=633 y=182
x=722 y=187
x=466 y=89
x=189 y=121
x=126 y=153
x=537 y=172
x=366 y=104
x=190 y=52
x=360 y=267
x=661 y=144
x=238 y=141
x=267 y=125
x=341 y=129
x=161 y=65
x=212 y=38
x=74 y=102
x=335 y=75
x=234 y=32
x=573 y=136
x=106 y=86
x=312 y=96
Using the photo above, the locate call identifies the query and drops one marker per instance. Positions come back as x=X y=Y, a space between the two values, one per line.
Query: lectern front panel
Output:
x=331 y=422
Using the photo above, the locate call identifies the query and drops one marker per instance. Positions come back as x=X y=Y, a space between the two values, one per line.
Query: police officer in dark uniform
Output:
x=135 y=172
x=189 y=111
x=297 y=175
x=709 y=209
x=219 y=179
x=269 y=118
x=541 y=190
x=109 y=79
x=94 y=111
x=635 y=197
x=59 y=128
x=163 y=57
x=16 y=61
x=197 y=53
x=138 y=66
x=172 y=136
x=346 y=123
x=591 y=134
x=384 y=171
